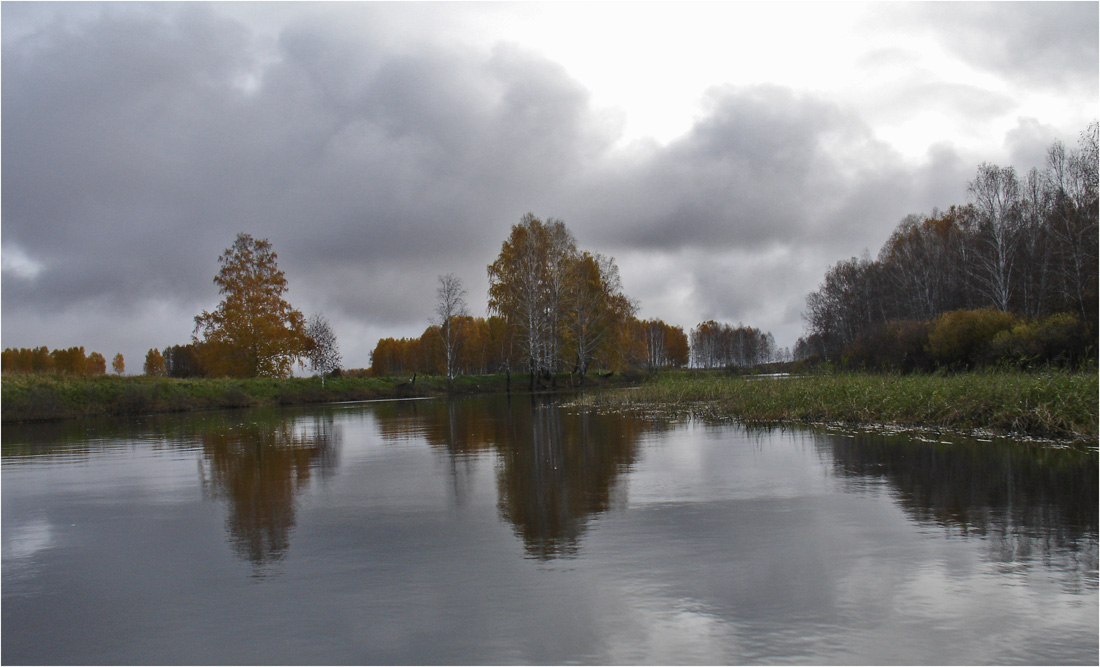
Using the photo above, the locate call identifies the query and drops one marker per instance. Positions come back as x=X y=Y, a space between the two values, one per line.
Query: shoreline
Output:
x=1049 y=406
x=1052 y=406
x=48 y=397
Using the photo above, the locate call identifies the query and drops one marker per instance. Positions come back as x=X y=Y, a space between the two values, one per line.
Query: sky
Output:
x=725 y=154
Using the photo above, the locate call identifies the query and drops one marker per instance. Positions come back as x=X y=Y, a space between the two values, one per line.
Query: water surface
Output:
x=488 y=531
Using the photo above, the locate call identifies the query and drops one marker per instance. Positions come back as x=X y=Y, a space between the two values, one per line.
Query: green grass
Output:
x=45 y=396
x=36 y=397
x=1050 y=404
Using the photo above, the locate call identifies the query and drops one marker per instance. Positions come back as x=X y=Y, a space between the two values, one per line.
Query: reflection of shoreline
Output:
x=1026 y=500
x=259 y=468
x=556 y=470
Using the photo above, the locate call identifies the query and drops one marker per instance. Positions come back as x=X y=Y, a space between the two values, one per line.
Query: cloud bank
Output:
x=140 y=139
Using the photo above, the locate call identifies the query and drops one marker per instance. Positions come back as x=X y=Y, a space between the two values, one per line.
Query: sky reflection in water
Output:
x=494 y=531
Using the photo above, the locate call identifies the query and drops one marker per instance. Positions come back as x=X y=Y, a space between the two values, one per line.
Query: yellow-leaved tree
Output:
x=254 y=331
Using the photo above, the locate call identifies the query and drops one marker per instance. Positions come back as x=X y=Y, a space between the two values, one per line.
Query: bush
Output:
x=963 y=338
x=1058 y=340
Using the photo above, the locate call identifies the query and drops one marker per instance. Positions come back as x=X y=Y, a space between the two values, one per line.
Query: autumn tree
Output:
x=28 y=360
x=563 y=305
x=595 y=309
x=323 y=353
x=665 y=345
x=527 y=288
x=70 y=361
x=95 y=364
x=254 y=331
x=184 y=361
x=154 y=363
x=118 y=364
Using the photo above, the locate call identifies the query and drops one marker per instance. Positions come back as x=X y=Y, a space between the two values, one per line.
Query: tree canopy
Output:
x=254 y=331
x=565 y=305
x=1024 y=246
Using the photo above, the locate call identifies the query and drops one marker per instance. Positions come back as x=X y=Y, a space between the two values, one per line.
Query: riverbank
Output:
x=44 y=397
x=1055 y=405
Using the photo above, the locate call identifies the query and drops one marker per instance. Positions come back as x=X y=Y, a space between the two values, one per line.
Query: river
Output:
x=496 y=531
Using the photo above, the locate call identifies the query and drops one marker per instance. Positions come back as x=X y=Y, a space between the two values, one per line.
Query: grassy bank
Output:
x=37 y=397
x=1057 y=405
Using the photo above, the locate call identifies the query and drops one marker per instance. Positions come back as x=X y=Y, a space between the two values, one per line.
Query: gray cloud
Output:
x=139 y=139
x=1044 y=44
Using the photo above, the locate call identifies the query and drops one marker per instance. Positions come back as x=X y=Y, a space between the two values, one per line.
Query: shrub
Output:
x=963 y=338
x=1055 y=340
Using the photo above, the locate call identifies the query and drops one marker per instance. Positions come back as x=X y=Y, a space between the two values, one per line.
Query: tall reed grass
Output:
x=1048 y=404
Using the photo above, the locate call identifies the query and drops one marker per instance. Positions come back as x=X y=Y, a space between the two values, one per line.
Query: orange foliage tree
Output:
x=254 y=331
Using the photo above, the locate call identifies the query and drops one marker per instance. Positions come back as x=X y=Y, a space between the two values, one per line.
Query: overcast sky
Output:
x=725 y=154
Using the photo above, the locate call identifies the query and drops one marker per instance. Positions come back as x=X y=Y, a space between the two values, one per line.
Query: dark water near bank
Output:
x=484 y=531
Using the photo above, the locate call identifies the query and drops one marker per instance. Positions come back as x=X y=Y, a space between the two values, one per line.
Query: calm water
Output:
x=484 y=531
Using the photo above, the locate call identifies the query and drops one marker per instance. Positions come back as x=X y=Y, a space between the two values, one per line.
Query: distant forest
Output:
x=1010 y=278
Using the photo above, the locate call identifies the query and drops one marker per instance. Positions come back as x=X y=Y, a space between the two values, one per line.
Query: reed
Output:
x=1048 y=404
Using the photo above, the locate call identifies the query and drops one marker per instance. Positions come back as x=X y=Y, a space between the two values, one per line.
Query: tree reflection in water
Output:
x=1027 y=500
x=556 y=470
x=259 y=467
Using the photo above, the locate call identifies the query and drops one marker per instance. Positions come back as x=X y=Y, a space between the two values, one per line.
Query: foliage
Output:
x=1022 y=245
x=527 y=285
x=482 y=346
x=596 y=313
x=254 y=331
x=666 y=346
x=565 y=307
x=118 y=364
x=963 y=338
x=184 y=361
x=95 y=364
x=154 y=363
x=70 y=361
x=1059 y=339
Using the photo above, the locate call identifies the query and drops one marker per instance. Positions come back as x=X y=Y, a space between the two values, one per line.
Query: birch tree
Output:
x=450 y=306
x=527 y=288
x=996 y=193
x=323 y=352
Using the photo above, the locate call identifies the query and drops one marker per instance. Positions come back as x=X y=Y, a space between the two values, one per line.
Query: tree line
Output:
x=69 y=361
x=553 y=309
x=715 y=345
x=1009 y=276
x=488 y=345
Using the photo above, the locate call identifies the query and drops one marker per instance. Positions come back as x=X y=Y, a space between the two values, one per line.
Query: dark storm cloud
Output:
x=140 y=139
x=146 y=141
